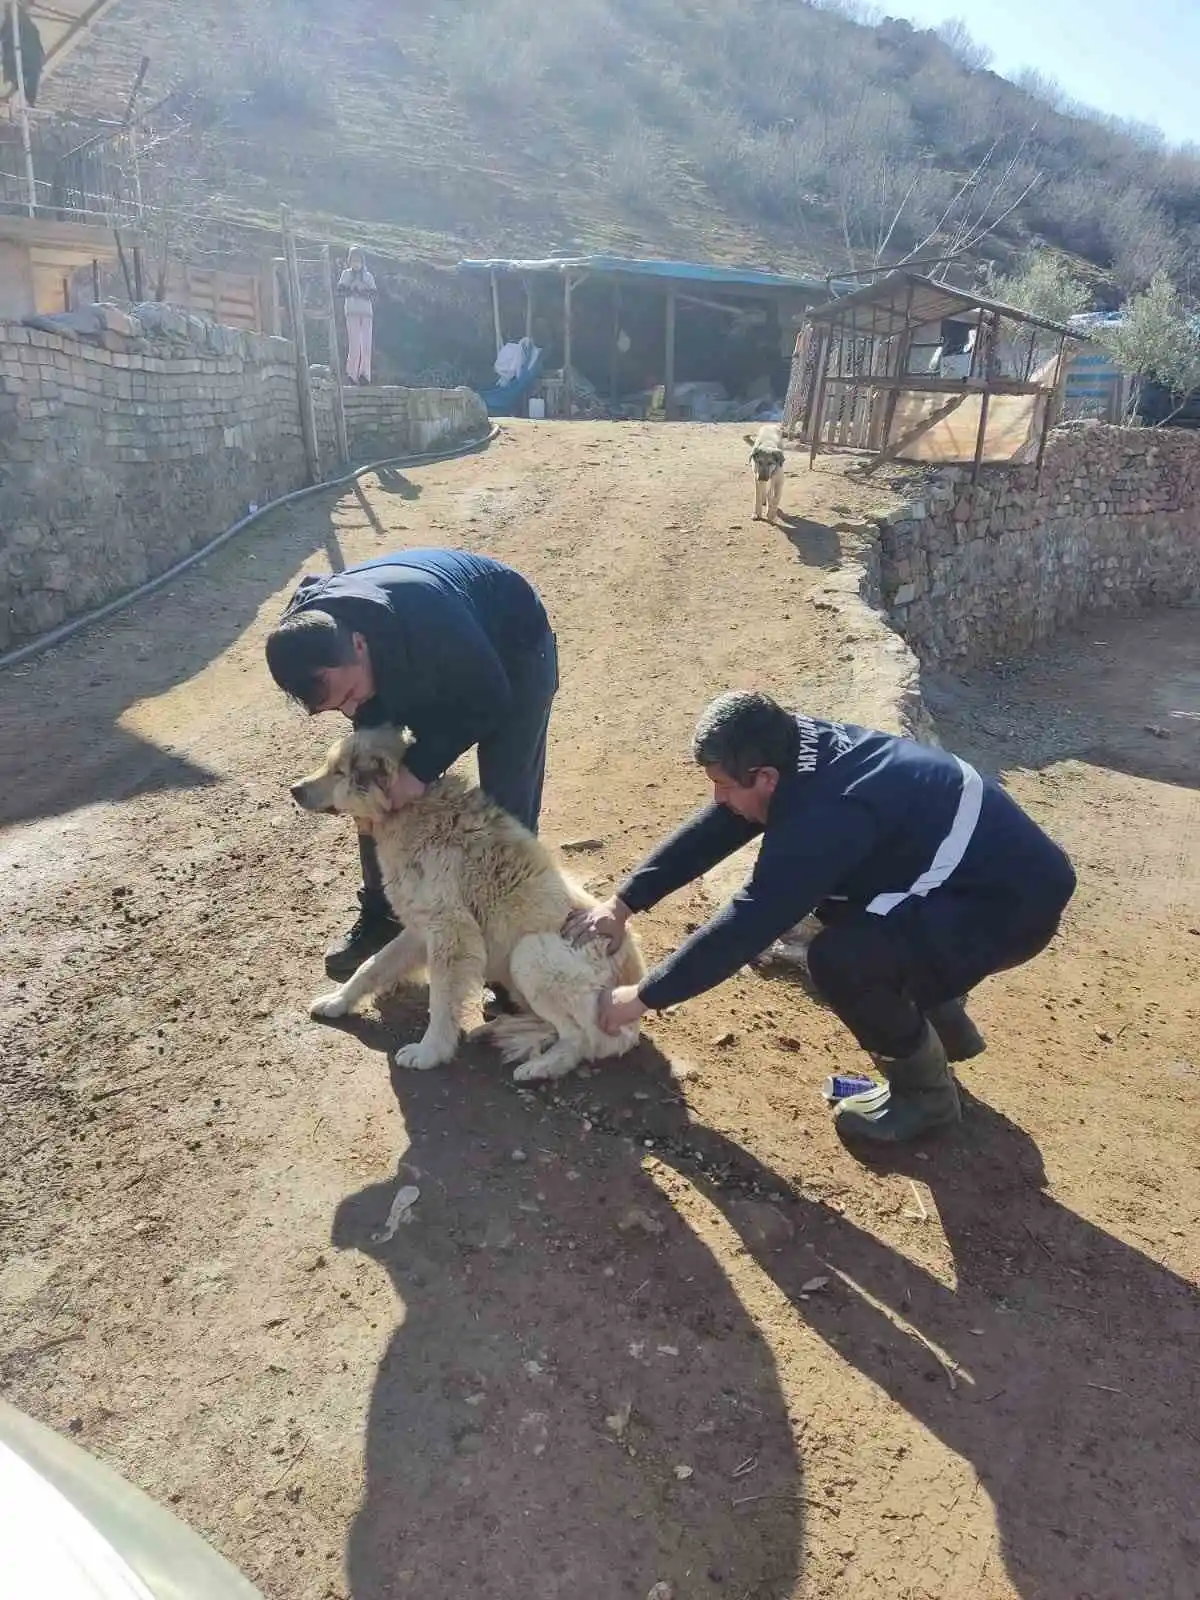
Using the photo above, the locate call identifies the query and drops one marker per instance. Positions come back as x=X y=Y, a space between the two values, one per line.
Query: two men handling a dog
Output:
x=926 y=878
x=455 y=647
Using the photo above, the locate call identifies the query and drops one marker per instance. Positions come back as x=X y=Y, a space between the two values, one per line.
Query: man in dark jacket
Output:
x=455 y=647
x=926 y=876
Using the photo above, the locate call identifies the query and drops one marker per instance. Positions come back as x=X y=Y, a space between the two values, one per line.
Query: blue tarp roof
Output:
x=680 y=271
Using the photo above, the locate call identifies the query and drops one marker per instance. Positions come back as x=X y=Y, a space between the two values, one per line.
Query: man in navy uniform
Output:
x=926 y=877
x=455 y=647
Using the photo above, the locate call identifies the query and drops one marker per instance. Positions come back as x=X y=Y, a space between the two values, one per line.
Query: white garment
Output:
x=359 y=330
x=358 y=305
x=515 y=359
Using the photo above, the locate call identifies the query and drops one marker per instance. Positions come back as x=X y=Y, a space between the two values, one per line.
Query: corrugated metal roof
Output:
x=679 y=271
x=61 y=24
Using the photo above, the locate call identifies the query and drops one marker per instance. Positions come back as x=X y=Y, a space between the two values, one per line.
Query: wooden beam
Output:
x=669 y=373
x=614 y=371
x=981 y=437
x=891 y=451
x=308 y=415
x=529 y=308
x=335 y=359
x=14 y=22
x=709 y=305
x=819 y=402
x=496 y=311
x=1052 y=401
x=568 y=396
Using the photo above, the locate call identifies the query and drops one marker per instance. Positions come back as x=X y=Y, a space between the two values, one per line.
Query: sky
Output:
x=1136 y=58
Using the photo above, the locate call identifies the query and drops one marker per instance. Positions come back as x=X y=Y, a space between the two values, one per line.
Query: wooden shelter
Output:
x=912 y=369
x=615 y=288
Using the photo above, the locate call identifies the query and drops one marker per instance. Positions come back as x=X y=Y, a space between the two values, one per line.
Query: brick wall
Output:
x=974 y=573
x=119 y=454
x=132 y=441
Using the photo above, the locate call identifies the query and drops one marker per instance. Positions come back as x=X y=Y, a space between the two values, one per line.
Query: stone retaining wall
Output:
x=974 y=573
x=128 y=441
x=390 y=421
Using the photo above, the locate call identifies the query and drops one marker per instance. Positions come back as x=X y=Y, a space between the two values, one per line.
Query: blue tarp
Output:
x=681 y=271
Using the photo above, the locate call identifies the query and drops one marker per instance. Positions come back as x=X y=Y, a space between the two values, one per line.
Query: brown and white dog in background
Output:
x=766 y=462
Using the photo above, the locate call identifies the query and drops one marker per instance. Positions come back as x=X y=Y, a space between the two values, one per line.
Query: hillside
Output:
x=770 y=131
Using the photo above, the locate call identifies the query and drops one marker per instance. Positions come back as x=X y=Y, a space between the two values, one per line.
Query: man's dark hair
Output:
x=742 y=731
x=302 y=647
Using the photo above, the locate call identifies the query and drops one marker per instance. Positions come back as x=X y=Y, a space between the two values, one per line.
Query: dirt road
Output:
x=653 y=1325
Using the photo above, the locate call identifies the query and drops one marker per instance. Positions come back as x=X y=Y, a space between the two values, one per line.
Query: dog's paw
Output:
x=328 y=1006
x=422 y=1056
x=542 y=1069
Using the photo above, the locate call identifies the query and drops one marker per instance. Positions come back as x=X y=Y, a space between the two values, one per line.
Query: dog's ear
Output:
x=750 y=438
x=371 y=768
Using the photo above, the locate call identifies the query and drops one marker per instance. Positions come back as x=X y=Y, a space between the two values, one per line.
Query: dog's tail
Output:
x=520 y=1036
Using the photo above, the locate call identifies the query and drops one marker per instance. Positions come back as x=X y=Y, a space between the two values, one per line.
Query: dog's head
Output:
x=356 y=775
x=766 y=462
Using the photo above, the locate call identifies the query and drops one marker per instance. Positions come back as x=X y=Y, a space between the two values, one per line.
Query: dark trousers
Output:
x=881 y=974
x=512 y=759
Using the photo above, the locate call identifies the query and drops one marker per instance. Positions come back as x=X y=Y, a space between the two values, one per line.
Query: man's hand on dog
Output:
x=605 y=921
x=404 y=789
x=620 y=1007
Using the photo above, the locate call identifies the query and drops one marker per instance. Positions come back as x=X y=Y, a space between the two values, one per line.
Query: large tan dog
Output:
x=481 y=900
x=766 y=463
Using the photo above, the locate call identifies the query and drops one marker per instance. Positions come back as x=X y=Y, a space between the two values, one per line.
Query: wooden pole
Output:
x=1052 y=402
x=96 y=282
x=139 y=281
x=614 y=371
x=826 y=337
x=335 y=361
x=981 y=438
x=529 y=308
x=496 y=311
x=308 y=414
x=568 y=396
x=669 y=374
x=14 y=22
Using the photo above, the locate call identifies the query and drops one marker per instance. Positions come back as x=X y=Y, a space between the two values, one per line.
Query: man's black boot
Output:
x=374 y=927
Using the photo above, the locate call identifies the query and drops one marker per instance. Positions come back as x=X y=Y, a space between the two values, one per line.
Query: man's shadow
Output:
x=1062 y=1366
x=575 y=1400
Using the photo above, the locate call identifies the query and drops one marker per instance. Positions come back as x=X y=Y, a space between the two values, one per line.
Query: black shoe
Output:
x=959 y=1035
x=371 y=931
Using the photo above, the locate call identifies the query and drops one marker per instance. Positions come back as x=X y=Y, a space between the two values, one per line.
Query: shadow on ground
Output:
x=1056 y=1336
x=1118 y=692
x=567 y=1344
x=82 y=754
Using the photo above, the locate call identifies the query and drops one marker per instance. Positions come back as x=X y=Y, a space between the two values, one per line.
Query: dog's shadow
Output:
x=541 y=1299
x=816 y=543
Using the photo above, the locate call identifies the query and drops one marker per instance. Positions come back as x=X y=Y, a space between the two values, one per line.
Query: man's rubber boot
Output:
x=374 y=927
x=920 y=1095
x=960 y=1037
